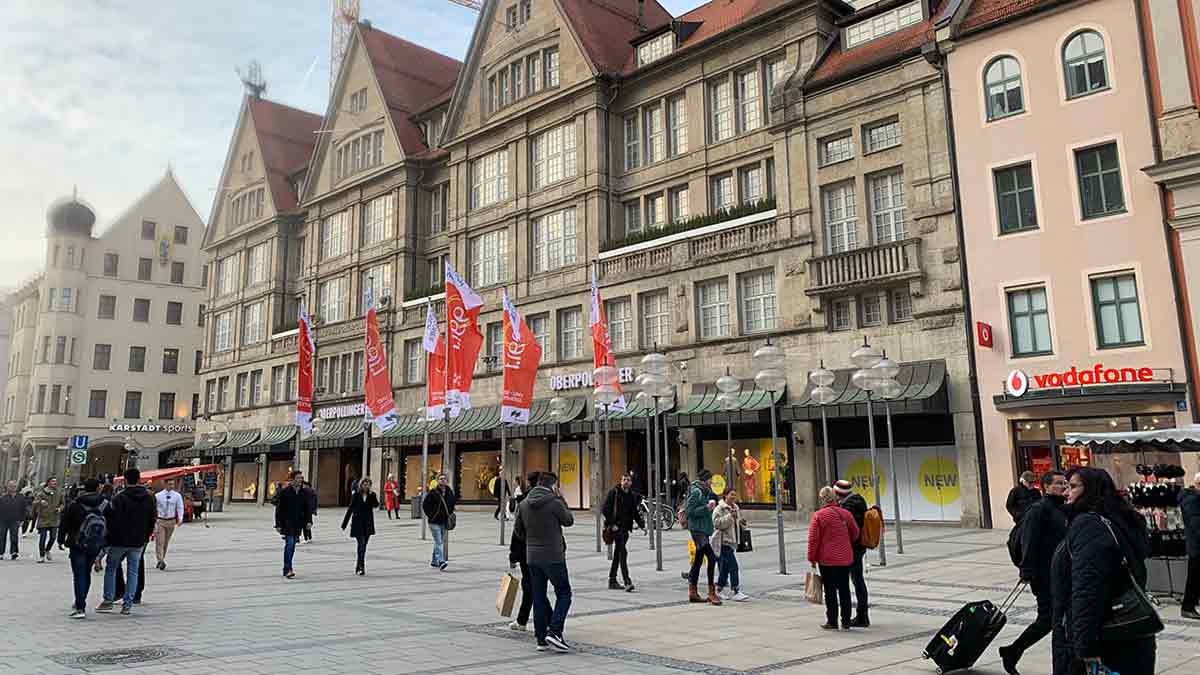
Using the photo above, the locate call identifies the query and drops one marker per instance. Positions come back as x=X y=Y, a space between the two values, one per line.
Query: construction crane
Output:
x=345 y=15
x=469 y=4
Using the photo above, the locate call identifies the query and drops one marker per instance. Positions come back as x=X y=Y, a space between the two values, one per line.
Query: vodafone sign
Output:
x=1017 y=382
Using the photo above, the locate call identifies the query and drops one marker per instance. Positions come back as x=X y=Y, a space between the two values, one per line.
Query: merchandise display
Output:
x=1157 y=499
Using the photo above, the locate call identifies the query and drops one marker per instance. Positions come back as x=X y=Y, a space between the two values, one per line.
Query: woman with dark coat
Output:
x=361 y=516
x=516 y=557
x=1087 y=572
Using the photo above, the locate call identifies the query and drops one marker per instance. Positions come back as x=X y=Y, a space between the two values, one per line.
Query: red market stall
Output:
x=155 y=475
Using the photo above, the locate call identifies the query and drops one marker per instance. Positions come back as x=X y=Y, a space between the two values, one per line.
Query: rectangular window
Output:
x=656 y=210
x=887 y=208
x=45 y=349
x=137 y=359
x=210 y=396
x=619 y=313
x=198 y=362
x=60 y=349
x=148 y=230
x=776 y=72
x=881 y=136
x=108 y=307
x=166 y=406
x=437 y=208
x=677 y=121
x=256 y=387
x=749 y=111
x=252 y=324
x=170 y=365
x=437 y=269
x=655 y=49
x=884 y=23
x=293 y=381
x=570 y=334
x=222 y=393
x=839 y=315
x=722 y=192
x=414 y=362
x=720 y=97
x=1029 y=321
x=489 y=258
x=1115 y=306
x=656 y=139
x=227 y=274
x=901 y=305
x=870 y=310
x=751 y=184
x=656 y=319
x=841 y=220
x=379 y=219
x=181 y=235
x=98 y=404
x=378 y=280
x=554 y=240
x=331 y=300
x=680 y=207
x=633 y=158
x=510 y=19
x=633 y=216
x=534 y=71
x=101 y=357
x=334 y=234
x=1015 y=204
x=278 y=387
x=200 y=316
x=836 y=149
x=223 y=332
x=712 y=303
x=145 y=267
x=540 y=327
x=494 y=343
x=204 y=276
x=550 y=60
x=489 y=179
x=55 y=398
x=554 y=155
x=41 y=398
x=177 y=273
x=514 y=75
x=174 y=313
x=111 y=264
x=256 y=263
x=133 y=405
x=1100 y=191
x=758 y=301
x=141 y=310
x=243 y=380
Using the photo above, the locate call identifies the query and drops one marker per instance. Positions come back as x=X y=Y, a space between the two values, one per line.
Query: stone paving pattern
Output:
x=222 y=607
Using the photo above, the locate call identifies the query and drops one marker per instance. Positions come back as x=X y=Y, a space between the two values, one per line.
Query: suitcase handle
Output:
x=1013 y=595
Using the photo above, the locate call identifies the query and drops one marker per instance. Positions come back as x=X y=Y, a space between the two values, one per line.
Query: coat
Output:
x=831 y=533
x=1042 y=530
x=291 y=512
x=47 y=505
x=621 y=509
x=857 y=506
x=76 y=513
x=699 y=518
x=1189 y=504
x=438 y=504
x=361 y=514
x=540 y=521
x=727 y=525
x=13 y=508
x=130 y=517
x=391 y=496
x=1020 y=498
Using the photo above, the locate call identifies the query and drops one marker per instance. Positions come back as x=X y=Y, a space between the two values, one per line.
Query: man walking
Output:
x=130 y=518
x=1043 y=528
x=1189 y=504
x=698 y=506
x=540 y=520
x=47 y=506
x=1022 y=496
x=620 y=513
x=12 y=511
x=438 y=506
x=291 y=517
x=857 y=506
x=310 y=496
x=84 y=531
x=170 y=515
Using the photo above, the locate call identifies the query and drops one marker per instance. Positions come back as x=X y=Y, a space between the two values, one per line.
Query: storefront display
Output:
x=571 y=461
x=245 y=481
x=928 y=480
x=476 y=469
x=412 y=472
x=1042 y=446
x=278 y=473
x=749 y=464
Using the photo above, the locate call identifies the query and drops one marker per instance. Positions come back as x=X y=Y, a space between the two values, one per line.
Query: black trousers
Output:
x=1191 y=592
x=836 y=581
x=526 y=595
x=704 y=550
x=620 y=556
x=1128 y=657
x=860 y=585
x=10 y=533
x=1041 y=626
x=362 y=550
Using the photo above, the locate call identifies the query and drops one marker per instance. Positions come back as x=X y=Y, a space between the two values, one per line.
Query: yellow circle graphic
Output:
x=938 y=480
x=859 y=475
x=718 y=484
x=492 y=486
x=568 y=467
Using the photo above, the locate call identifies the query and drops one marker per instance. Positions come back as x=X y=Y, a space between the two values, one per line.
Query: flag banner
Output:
x=463 y=338
x=304 y=395
x=435 y=381
x=602 y=353
x=522 y=354
x=381 y=402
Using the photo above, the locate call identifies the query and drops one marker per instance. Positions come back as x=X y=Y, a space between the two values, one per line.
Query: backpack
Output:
x=681 y=515
x=872 y=529
x=1014 y=544
x=93 y=532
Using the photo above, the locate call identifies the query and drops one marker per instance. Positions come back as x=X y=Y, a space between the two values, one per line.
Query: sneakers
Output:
x=78 y=614
x=105 y=606
x=542 y=646
x=519 y=627
x=629 y=587
x=558 y=644
x=41 y=558
x=443 y=566
x=433 y=564
x=860 y=622
x=829 y=626
x=724 y=593
x=49 y=557
x=14 y=557
x=740 y=597
x=1189 y=613
x=290 y=574
x=126 y=610
x=614 y=586
x=161 y=565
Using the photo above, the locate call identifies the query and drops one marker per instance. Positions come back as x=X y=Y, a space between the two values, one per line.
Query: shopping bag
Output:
x=507 y=597
x=745 y=543
x=813 y=590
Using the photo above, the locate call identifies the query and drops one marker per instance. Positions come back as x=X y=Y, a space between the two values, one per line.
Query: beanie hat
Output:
x=704 y=475
x=843 y=488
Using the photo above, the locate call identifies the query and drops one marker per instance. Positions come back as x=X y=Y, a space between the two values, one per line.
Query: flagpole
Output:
x=446 y=420
x=604 y=477
x=424 y=477
x=652 y=512
x=503 y=492
x=595 y=499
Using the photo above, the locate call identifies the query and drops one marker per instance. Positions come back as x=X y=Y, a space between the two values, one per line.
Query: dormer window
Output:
x=656 y=48
x=362 y=152
x=883 y=23
x=248 y=162
x=358 y=101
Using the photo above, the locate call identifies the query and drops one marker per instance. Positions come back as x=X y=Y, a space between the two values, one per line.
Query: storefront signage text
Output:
x=340 y=411
x=1018 y=382
x=153 y=428
x=584 y=379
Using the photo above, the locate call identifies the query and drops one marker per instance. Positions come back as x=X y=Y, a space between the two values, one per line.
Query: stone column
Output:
x=808 y=468
x=227 y=492
x=262 y=478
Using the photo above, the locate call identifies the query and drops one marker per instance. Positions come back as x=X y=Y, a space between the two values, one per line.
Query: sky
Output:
x=104 y=95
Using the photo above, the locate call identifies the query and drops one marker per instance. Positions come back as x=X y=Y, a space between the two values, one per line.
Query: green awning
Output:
x=703 y=408
x=334 y=433
x=542 y=423
x=241 y=439
x=209 y=441
x=923 y=393
x=480 y=423
x=270 y=440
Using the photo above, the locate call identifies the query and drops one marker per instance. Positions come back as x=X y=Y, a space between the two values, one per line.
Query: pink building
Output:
x=1063 y=235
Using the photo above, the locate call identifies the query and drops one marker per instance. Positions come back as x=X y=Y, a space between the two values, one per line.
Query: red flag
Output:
x=462 y=320
x=378 y=386
x=435 y=366
x=602 y=353
x=522 y=354
x=304 y=397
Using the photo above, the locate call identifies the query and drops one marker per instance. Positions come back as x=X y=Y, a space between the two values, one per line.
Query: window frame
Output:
x=553 y=156
x=177 y=307
x=489 y=179
x=1003 y=83
x=133 y=399
x=1117 y=302
x=824 y=158
x=1009 y=296
x=716 y=308
x=895 y=208
x=490 y=269
x=844 y=228
x=760 y=300
x=887 y=141
x=148 y=306
x=618 y=312
x=570 y=337
x=1085 y=59
x=1015 y=194
x=555 y=240
x=1080 y=177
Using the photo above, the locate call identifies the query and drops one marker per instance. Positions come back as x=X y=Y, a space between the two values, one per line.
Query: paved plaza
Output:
x=222 y=607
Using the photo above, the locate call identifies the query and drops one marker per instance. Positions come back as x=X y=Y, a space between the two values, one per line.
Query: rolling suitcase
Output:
x=969 y=632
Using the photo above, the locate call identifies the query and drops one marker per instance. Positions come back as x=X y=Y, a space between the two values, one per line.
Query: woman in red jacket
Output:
x=831 y=534
x=391 y=496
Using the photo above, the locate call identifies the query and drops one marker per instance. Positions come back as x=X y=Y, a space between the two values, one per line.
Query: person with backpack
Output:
x=620 y=513
x=47 y=506
x=12 y=510
x=292 y=515
x=857 y=506
x=84 y=531
x=130 y=519
x=831 y=534
x=698 y=508
x=1040 y=531
x=360 y=515
x=438 y=506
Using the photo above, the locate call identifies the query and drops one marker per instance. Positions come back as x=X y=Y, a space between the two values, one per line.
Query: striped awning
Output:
x=924 y=392
x=480 y=423
x=270 y=440
x=209 y=441
x=333 y=433
x=703 y=408
x=542 y=423
x=241 y=439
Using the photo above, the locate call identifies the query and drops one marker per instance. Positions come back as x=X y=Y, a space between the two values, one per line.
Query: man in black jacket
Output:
x=130 y=519
x=620 y=513
x=857 y=506
x=83 y=554
x=438 y=506
x=291 y=517
x=1022 y=496
x=1043 y=528
x=13 y=505
x=1189 y=504
x=540 y=521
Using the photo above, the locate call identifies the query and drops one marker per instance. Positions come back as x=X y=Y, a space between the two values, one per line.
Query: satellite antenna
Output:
x=253 y=79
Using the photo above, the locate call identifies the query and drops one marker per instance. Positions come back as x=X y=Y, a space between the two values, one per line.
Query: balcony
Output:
x=871 y=266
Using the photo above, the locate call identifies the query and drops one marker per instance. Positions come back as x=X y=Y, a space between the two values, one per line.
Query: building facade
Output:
x=106 y=340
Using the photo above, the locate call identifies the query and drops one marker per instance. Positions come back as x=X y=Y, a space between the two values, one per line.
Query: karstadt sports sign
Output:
x=1018 y=382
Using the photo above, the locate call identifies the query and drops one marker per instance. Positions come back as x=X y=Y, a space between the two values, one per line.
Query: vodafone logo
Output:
x=1017 y=383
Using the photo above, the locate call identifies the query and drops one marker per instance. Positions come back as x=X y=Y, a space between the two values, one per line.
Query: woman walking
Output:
x=391 y=496
x=831 y=534
x=361 y=516
x=727 y=528
x=1105 y=551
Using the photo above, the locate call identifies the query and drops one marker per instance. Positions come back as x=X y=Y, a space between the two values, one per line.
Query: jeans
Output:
x=46 y=538
x=439 y=543
x=362 y=550
x=1191 y=592
x=10 y=533
x=620 y=556
x=836 y=581
x=141 y=582
x=860 y=585
x=289 y=550
x=1041 y=626
x=116 y=555
x=81 y=575
x=526 y=595
x=545 y=623
x=729 y=569
x=703 y=550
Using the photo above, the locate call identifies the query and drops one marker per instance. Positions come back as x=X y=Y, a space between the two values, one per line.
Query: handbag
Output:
x=451 y=521
x=607 y=536
x=1131 y=614
x=507 y=596
x=814 y=590
x=745 y=544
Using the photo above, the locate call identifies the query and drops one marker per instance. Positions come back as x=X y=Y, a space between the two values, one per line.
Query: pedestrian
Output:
x=439 y=511
x=1189 y=504
x=699 y=506
x=360 y=515
x=679 y=489
x=620 y=512
x=48 y=507
x=106 y=494
x=310 y=498
x=1106 y=548
x=291 y=517
x=727 y=529
x=12 y=510
x=169 y=504
x=1042 y=529
x=857 y=506
x=499 y=490
x=29 y=523
x=540 y=521
x=831 y=534
x=84 y=531
x=391 y=496
x=518 y=560
x=1022 y=496
x=129 y=519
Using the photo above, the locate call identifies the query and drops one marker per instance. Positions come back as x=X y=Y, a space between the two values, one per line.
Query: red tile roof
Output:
x=719 y=16
x=410 y=77
x=839 y=63
x=605 y=27
x=285 y=138
x=984 y=13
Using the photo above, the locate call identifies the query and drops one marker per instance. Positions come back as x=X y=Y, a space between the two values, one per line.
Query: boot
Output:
x=713 y=598
x=693 y=594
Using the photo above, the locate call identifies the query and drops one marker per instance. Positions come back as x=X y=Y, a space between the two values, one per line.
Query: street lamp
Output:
x=645 y=401
x=867 y=379
x=728 y=399
x=604 y=393
x=824 y=394
x=888 y=390
x=653 y=381
x=770 y=362
x=422 y=480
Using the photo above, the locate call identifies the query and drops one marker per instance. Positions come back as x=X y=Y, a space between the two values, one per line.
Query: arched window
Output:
x=1002 y=88
x=1084 y=66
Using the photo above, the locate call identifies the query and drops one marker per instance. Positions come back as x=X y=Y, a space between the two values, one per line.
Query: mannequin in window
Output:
x=749 y=472
x=730 y=470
